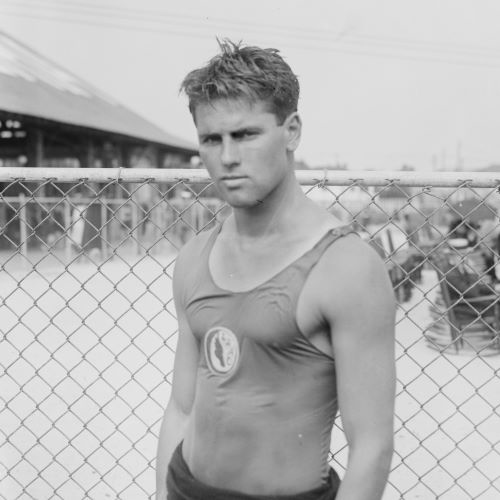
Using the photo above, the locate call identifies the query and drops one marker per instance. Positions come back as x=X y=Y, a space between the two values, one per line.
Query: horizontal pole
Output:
x=103 y=174
x=305 y=177
x=401 y=178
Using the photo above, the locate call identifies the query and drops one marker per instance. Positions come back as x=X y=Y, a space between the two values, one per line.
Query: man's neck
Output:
x=273 y=217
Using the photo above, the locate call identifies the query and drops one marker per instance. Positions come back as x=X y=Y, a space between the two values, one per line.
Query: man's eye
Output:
x=245 y=134
x=210 y=140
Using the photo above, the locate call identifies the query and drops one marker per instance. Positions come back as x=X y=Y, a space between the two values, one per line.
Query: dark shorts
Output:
x=181 y=485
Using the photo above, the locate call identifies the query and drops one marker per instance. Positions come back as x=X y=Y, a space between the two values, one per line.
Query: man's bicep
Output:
x=186 y=354
x=363 y=341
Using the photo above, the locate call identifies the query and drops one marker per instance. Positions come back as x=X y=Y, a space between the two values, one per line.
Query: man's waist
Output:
x=242 y=458
x=183 y=482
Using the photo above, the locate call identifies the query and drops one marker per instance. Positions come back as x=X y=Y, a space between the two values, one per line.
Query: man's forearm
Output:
x=366 y=474
x=171 y=434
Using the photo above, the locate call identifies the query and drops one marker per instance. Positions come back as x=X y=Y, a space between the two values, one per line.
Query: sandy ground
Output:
x=84 y=355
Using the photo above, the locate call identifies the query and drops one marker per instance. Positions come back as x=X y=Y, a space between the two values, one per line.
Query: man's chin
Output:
x=241 y=202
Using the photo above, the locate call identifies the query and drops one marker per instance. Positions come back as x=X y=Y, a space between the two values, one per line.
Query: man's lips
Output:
x=232 y=181
x=232 y=177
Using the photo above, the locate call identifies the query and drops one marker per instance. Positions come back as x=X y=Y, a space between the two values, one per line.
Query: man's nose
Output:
x=230 y=155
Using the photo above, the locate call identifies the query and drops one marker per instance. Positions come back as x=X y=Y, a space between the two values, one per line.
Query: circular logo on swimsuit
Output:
x=222 y=350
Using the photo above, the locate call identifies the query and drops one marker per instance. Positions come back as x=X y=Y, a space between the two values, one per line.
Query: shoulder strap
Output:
x=310 y=258
x=333 y=235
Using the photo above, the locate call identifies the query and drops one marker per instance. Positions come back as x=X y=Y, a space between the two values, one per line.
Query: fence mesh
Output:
x=89 y=332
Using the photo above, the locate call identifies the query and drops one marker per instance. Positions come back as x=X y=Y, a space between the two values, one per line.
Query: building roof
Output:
x=31 y=84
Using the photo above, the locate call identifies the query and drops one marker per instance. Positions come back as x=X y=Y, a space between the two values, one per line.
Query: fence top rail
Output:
x=305 y=177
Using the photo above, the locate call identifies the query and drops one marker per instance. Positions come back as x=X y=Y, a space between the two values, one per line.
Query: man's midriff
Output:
x=272 y=452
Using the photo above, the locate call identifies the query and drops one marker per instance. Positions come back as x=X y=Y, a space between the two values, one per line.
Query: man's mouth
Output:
x=232 y=181
x=232 y=177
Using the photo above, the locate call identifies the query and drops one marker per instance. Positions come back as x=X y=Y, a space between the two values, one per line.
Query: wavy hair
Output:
x=244 y=72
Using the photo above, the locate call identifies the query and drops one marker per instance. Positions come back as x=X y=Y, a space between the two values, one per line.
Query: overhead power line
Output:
x=164 y=15
x=166 y=23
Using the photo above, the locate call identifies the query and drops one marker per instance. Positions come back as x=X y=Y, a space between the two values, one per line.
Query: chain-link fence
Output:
x=89 y=332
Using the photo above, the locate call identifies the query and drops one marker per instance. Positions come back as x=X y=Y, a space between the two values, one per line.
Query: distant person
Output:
x=284 y=314
x=457 y=229
x=460 y=228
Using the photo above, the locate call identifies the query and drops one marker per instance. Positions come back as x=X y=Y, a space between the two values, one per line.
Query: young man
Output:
x=284 y=314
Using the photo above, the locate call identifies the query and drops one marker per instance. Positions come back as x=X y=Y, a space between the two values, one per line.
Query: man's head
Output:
x=247 y=73
x=244 y=105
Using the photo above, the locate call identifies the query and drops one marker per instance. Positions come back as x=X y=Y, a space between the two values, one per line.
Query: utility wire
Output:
x=195 y=32
x=487 y=51
x=93 y=9
x=161 y=16
x=154 y=15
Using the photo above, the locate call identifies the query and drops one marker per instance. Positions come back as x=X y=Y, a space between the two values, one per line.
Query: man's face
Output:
x=245 y=151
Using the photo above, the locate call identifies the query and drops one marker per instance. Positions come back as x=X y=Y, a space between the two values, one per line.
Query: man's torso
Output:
x=265 y=396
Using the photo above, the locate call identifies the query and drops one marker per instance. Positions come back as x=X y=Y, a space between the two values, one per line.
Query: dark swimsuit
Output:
x=262 y=386
x=181 y=485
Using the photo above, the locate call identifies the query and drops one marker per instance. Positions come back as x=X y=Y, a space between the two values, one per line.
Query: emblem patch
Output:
x=222 y=350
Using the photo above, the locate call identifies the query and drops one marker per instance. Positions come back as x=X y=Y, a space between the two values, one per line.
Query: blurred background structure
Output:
x=52 y=118
x=385 y=85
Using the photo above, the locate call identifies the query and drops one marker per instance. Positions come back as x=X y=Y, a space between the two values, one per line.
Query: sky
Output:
x=384 y=84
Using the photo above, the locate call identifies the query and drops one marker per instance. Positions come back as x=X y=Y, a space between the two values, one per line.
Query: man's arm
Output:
x=183 y=390
x=360 y=309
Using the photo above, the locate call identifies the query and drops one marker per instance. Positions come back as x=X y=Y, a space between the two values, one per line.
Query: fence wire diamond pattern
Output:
x=88 y=329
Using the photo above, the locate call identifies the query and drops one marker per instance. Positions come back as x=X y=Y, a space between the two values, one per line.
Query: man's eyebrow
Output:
x=237 y=131
x=208 y=134
x=249 y=128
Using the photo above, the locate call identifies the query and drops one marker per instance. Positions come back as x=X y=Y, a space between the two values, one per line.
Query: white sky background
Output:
x=384 y=82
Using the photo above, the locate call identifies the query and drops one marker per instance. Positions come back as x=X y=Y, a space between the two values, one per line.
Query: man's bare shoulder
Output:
x=351 y=268
x=351 y=286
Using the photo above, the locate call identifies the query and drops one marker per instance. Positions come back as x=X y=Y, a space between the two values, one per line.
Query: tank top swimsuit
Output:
x=262 y=386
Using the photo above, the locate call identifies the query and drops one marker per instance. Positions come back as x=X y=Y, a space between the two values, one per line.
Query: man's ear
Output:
x=293 y=128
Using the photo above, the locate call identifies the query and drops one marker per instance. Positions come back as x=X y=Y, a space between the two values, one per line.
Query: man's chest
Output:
x=241 y=269
x=277 y=312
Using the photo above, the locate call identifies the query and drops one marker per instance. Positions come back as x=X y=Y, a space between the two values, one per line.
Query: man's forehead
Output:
x=229 y=112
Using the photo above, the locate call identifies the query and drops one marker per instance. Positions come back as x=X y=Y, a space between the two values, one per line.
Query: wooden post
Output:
x=67 y=229
x=35 y=154
x=39 y=157
x=104 y=228
x=3 y=217
x=199 y=217
x=135 y=229
x=157 y=218
x=23 y=226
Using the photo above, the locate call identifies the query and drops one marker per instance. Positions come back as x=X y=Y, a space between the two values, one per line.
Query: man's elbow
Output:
x=384 y=448
x=376 y=451
x=386 y=452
